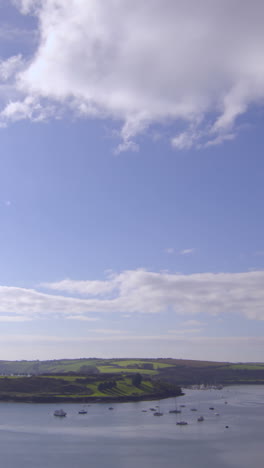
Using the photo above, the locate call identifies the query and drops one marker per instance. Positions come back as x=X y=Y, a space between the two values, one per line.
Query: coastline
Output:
x=87 y=399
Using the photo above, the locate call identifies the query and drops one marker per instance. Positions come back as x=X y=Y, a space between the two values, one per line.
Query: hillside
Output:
x=93 y=365
x=177 y=372
x=77 y=388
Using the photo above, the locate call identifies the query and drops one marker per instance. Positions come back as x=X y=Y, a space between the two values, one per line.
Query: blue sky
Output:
x=131 y=181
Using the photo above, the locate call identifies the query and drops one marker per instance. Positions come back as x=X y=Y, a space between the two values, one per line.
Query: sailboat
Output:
x=176 y=410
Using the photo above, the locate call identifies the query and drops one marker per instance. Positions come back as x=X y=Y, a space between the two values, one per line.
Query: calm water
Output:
x=31 y=437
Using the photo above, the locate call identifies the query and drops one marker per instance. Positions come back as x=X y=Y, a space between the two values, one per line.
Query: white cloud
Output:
x=81 y=287
x=185 y=331
x=170 y=250
x=109 y=331
x=193 y=323
x=143 y=63
x=9 y=67
x=141 y=291
x=82 y=318
x=14 y=318
x=186 y=251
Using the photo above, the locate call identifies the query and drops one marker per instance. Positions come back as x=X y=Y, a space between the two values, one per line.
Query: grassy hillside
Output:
x=176 y=371
x=146 y=366
x=105 y=387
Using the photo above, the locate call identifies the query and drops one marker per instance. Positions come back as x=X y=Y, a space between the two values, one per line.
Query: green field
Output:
x=125 y=370
x=179 y=372
x=115 y=387
x=139 y=362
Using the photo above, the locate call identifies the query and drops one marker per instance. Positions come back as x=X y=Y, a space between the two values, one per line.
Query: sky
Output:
x=131 y=179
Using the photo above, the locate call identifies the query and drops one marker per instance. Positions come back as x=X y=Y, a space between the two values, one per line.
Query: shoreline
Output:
x=88 y=399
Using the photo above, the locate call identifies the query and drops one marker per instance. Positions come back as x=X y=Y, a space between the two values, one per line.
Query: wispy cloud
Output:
x=82 y=318
x=141 y=291
x=185 y=331
x=170 y=250
x=193 y=323
x=186 y=251
x=9 y=67
x=14 y=318
x=124 y=66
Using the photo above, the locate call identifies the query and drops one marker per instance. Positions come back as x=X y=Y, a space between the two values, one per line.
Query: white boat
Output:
x=181 y=423
x=60 y=413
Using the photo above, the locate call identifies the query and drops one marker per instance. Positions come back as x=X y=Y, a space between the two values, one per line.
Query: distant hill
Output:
x=175 y=371
x=93 y=365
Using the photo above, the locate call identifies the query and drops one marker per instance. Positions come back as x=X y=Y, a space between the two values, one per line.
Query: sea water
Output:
x=127 y=437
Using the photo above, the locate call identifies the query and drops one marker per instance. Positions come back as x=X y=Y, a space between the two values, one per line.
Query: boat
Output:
x=200 y=419
x=181 y=423
x=60 y=413
x=152 y=409
x=217 y=414
x=175 y=411
x=157 y=414
x=211 y=408
x=110 y=408
x=193 y=409
x=182 y=406
x=82 y=411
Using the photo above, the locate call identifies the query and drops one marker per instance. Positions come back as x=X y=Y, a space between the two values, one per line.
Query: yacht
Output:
x=60 y=413
x=175 y=411
x=181 y=423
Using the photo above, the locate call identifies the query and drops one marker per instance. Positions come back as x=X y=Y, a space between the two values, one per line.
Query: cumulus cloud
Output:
x=141 y=291
x=147 y=62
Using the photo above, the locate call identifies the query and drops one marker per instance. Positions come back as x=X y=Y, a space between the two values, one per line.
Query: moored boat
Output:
x=60 y=413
